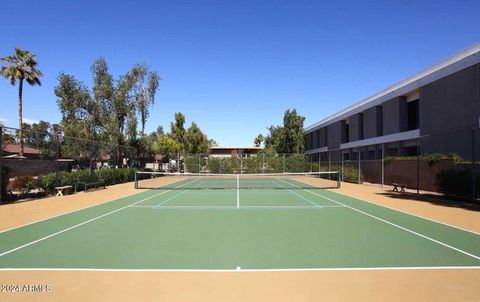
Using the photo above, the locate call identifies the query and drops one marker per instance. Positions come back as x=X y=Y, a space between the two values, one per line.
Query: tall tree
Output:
x=177 y=131
x=289 y=137
x=145 y=85
x=166 y=145
x=196 y=140
x=293 y=141
x=21 y=66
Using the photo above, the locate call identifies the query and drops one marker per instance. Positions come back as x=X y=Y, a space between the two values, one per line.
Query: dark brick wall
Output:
x=405 y=172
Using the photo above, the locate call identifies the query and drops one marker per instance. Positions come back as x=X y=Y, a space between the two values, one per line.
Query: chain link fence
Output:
x=443 y=162
x=34 y=163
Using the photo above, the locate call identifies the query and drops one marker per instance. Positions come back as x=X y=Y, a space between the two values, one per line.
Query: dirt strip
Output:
x=407 y=285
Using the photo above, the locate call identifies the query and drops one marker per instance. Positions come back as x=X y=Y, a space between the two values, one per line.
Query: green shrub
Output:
x=457 y=182
x=192 y=164
x=213 y=165
x=62 y=178
x=350 y=173
x=24 y=184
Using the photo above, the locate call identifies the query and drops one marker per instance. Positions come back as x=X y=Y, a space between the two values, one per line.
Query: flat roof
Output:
x=459 y=61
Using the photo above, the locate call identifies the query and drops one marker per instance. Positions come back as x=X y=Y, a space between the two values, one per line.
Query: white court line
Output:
x=415 y=215
x=82 y=223
x=168 y=199
x=234 y=207
x=73 y=211
x=77 y=225
x=304 y=198
x=388 y=268
x=398 y=226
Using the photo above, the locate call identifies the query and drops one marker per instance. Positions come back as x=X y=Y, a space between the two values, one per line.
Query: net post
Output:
x=284 y=164
x=339 y=183
x=263 y=163
x=135 y=181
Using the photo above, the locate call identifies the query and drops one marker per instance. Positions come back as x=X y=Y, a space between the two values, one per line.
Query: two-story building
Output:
x=438 y=108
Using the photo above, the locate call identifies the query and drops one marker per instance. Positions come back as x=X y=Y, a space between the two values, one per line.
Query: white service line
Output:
x=396 y=225
x=82 y=223
x=304 y=198
x=77 y=225
x=234 y=207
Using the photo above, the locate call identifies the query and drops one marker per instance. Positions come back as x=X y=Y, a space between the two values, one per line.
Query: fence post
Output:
x=178 y=162
x=57 y=158
x=383 y=165
x=319 y=162
x=1 y=164
x=241 y=163
x=474 y=193
x=342 y=160
x=359 y=165
x=418 y=166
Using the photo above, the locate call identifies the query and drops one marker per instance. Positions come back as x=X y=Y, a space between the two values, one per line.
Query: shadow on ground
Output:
x=433 y=199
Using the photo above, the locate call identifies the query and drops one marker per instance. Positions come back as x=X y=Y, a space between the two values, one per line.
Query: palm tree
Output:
x=21 y=66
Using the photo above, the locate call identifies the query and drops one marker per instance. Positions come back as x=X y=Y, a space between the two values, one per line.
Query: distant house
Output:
x=13 y=151
x=234 y=151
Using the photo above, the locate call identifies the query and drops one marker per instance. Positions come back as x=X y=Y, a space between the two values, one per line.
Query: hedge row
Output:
x=62 y=178
x=458 y=183
x=254 y=164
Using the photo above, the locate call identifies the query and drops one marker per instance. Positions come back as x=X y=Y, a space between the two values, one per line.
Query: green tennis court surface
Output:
x=187 y=227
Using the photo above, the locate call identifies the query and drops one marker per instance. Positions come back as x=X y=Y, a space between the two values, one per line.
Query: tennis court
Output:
x=238 y=222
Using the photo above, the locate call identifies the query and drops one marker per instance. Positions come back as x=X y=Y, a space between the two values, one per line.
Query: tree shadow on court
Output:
x=433 y=199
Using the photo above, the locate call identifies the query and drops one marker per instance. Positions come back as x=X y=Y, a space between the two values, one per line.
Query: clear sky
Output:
x=235 y=66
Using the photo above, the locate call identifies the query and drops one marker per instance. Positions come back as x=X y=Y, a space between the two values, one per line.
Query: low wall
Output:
x=405 y=172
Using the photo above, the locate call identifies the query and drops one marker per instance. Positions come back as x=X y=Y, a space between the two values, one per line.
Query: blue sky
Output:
x=234 y=67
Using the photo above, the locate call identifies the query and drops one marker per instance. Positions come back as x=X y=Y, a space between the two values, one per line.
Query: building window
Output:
x=413 y=118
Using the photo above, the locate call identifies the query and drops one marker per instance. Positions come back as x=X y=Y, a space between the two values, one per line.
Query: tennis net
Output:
x=184 y=181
